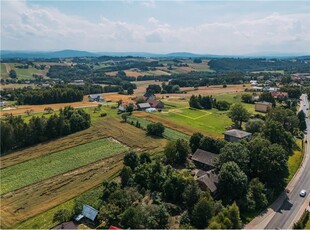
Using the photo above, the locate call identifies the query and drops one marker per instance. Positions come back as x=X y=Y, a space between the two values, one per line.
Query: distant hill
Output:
x=78 y=53
x=39 y=54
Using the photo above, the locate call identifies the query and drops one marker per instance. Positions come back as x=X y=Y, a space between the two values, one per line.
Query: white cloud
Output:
x=35 y=28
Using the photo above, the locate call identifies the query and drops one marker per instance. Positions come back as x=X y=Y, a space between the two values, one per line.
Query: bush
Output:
x=103 y=114
x=156 y=129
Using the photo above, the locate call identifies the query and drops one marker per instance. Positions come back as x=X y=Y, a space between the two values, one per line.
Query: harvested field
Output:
x=33 y=171
x=40 y=108
x=34 y=199
x=15 y=86
x=117 y=97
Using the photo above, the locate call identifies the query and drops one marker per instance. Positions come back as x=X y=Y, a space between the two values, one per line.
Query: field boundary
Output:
x=192 y=118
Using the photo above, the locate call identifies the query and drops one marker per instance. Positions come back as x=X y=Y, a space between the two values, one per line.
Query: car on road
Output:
x=302 y=193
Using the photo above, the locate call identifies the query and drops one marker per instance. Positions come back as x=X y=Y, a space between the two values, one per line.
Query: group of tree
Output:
x=50 y=96
x=16 y=133
x=155 y=129
x=165 y=88
x=201 y=102
x=238 y=114
x=173 y=192
x=199 y=141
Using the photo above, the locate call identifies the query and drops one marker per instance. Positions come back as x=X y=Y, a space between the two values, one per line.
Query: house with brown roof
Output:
x=235 y=135
x=279 y=95
x=204 y=159
x=207 y=180
x=263 y=106
x=156 y=104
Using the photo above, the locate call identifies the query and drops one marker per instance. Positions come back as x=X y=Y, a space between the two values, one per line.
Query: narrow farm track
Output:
x=29 y=201
x=7 y=67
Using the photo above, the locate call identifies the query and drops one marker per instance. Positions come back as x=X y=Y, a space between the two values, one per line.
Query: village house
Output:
x=280 y=95
x=207 y=180
x=95 y=97
x=235 y=135
x=123 y=106
x=155 y=104
x=263 y=106
x=204 y=159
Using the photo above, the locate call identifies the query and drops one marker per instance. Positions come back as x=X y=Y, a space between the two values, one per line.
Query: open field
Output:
x=213 y=124
x=25 y=74
x=137 y=73
x=15 y=86
x=34 y=199
x=33 y=171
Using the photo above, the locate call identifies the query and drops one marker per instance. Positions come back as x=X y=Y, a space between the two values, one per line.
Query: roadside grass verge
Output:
x=295 y=160
x=49 y=165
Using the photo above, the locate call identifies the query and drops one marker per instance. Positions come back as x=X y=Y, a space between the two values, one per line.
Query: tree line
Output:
x=50 y=96
x=16 y=133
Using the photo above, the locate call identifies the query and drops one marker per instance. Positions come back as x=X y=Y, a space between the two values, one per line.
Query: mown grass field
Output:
x=24 y=74
x=49 y=165
x=170 y=134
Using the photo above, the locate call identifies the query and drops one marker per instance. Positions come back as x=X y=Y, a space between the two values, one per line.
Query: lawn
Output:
x=295 y=160
x=190 y=113
x=49 y=165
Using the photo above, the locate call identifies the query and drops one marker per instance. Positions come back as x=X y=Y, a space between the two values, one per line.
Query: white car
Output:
x=302 y=193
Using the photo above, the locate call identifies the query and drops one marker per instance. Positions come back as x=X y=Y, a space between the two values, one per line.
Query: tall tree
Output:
x=238 y=114
x=232 y=183
x=202 y=213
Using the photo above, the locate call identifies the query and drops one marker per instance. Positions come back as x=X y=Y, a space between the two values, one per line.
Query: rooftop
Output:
x=205 y=157
x=237 y=133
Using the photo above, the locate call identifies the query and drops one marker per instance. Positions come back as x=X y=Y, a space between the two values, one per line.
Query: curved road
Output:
x=288 y=208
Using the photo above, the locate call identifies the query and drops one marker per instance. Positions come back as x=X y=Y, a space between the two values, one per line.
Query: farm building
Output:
x=235 y=135
x=263 y=106
x=156 y=104
x=204 y=159
x=207 y=180
x=144 y=106
x=95 y=97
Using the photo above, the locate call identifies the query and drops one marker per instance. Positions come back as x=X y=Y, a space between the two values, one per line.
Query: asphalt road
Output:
x=293 y=204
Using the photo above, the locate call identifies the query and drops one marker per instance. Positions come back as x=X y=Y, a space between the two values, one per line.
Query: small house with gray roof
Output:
x=235 y=135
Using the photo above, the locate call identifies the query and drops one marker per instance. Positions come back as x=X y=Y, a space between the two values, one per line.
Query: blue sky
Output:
x=214 y=27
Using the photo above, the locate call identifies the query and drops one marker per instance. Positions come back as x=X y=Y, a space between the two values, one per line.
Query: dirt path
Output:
x=7 y=67
x=29 y=201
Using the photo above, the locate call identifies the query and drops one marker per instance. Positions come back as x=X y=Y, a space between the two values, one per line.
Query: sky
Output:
x=203 y=27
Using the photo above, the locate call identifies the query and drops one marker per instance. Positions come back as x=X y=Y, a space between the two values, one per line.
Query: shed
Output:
x=151 y=110
x=156 y=104
x=234 y=135
x=88 y=212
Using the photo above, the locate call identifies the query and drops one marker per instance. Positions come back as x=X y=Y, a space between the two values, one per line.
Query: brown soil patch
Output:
x=172 y=125
x=116 y=97
x=34 y=199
